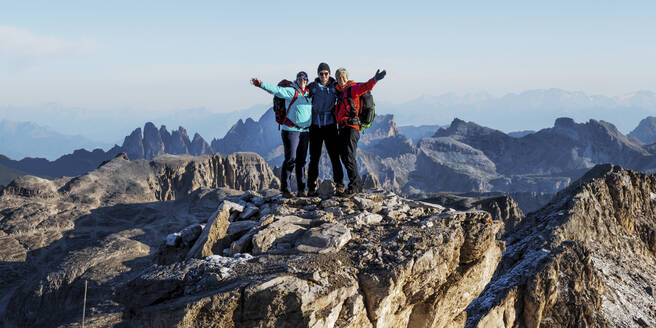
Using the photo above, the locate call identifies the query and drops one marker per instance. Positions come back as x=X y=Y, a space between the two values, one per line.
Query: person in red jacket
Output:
x=347 y=123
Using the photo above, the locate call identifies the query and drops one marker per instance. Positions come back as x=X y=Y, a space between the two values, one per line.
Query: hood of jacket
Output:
x=348 y=84
x=331 y=81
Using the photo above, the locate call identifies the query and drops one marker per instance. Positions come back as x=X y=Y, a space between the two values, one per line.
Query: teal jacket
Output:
x=301 y=111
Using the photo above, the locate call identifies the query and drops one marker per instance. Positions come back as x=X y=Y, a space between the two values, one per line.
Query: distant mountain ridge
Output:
x=110 y=125
x=147 y=145
x=529 y=109
x=28 y=139
x=153 y=142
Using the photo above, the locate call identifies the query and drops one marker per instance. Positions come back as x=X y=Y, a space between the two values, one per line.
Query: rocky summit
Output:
x=207 y=241
x=587 y=259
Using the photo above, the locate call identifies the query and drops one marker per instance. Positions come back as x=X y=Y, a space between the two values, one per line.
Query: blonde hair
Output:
x=341 y=70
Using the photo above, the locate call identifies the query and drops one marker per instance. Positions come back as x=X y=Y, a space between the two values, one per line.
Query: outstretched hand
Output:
x=379 y=75
x=256 y=82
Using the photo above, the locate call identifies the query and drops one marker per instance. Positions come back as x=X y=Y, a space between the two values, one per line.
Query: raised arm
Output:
x=280 y=92
x=360 y=88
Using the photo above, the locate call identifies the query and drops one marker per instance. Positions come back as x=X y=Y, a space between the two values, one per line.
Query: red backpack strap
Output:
x=293 y=100
x=288 y=121
x=350 y=102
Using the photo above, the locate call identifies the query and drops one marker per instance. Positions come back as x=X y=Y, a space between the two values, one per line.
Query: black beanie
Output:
x=323 y=67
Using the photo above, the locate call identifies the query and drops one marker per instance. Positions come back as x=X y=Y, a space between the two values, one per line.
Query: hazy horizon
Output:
x=165 y=55
x=105 y=127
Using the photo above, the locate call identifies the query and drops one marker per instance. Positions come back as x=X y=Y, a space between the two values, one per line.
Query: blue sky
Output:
x=121 y=56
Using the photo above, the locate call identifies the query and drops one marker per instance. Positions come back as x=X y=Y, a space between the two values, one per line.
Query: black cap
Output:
x=323 y=67
x=302 y=74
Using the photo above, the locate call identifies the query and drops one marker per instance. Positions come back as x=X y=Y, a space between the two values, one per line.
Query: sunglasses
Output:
x=302 y=78
x=324 y=73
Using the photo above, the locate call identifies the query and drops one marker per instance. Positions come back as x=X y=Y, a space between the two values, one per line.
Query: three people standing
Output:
x=330 y=117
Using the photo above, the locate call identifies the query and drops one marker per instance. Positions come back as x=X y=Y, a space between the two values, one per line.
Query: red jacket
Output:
x=343 y=107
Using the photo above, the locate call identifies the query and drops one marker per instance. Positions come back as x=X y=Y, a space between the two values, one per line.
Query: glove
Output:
x=379 y=75
x=256 y=82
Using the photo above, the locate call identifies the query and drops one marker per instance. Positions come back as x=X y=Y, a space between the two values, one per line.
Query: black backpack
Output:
x=367 y=110
x=279 y=106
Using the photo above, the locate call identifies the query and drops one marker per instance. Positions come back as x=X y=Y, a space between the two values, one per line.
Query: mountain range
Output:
x=461 y=157
x=530 y=109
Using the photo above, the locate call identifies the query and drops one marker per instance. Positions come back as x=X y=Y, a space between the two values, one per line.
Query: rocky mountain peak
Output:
x=199 y=146
x=383 y=126
x=179 y=142
x=152 y=141
x=133 y=144
x=645 y=131
x=156 y=142
x=564 y=123
x=460 y=130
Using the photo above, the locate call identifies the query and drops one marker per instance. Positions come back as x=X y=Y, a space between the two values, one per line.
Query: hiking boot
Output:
x=339 y=190
x=352 y=191
x=313 y=193
x=301 y=194
x=287 y=194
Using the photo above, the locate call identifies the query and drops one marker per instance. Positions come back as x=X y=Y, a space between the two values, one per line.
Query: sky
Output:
x=117 y=57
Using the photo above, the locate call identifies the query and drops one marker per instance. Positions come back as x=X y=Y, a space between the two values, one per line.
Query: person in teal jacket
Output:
x=295 y=139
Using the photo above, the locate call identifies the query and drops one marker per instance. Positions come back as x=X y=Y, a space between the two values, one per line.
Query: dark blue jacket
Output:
x=324 y=99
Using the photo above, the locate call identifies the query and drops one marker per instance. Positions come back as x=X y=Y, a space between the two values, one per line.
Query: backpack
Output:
x=279 y=106
x=367 y=109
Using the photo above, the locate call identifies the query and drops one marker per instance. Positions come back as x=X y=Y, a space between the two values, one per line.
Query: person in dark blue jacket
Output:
x=324 y=129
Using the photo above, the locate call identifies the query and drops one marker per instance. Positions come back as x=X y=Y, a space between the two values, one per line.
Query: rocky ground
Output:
x=186 y=242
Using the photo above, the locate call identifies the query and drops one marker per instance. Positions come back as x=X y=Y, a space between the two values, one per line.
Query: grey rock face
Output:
x=597 y=233
x=169 y=177
x=445 y=163
x=31 y=186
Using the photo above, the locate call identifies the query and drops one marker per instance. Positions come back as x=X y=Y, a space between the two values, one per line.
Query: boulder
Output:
x=239 y=227
x=191 y=233
x=31 y=186
x=248 y=212
x=213 y=239
x=326 y=238
x=365 y=218
x=280 y=236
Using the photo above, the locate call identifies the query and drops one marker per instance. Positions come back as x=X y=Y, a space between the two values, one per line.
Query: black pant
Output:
x=348 y=139
x=296 y=147
x=319 y=135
